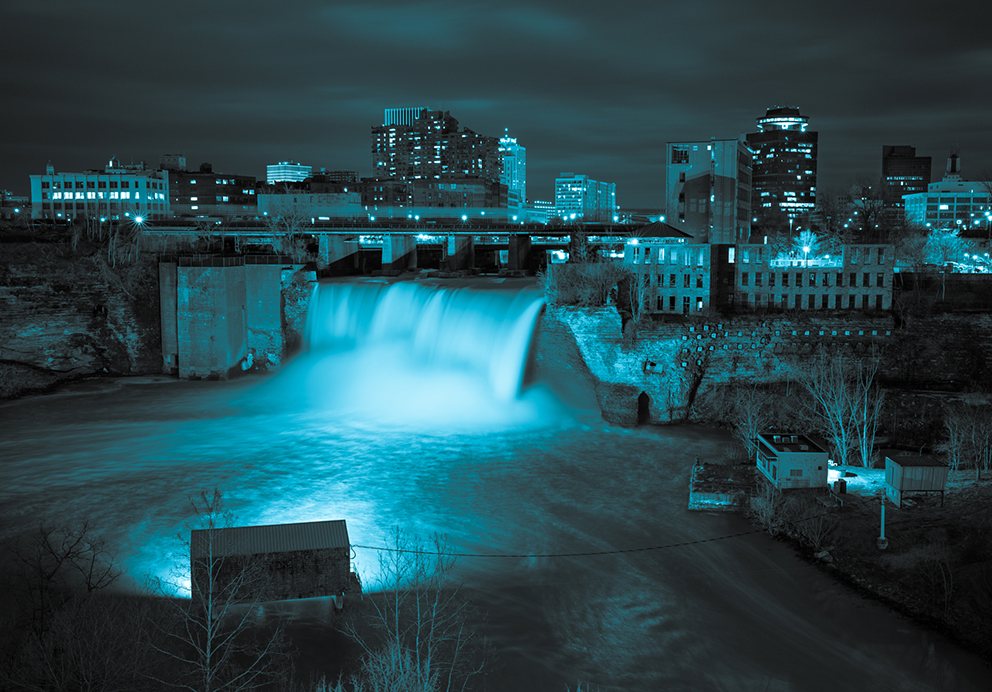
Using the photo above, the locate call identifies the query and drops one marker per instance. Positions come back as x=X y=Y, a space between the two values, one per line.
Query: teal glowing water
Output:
x=327 y=439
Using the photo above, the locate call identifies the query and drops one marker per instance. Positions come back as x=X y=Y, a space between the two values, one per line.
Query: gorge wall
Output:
x=66 y=314
x=682 y=370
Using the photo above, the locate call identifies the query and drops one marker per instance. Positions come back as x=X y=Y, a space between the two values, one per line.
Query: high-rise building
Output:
x=708 y=189
x=952 y=202
x=580 y=198
x=116 y=192
x=286 y=172
x=421 y=143
x=784 y=163
x=903 y=173
x=514 y=170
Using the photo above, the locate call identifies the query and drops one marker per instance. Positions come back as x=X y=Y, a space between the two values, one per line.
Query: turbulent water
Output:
x=363 y=435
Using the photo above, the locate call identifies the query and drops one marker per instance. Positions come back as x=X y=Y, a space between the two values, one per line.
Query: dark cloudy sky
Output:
x=590 y=87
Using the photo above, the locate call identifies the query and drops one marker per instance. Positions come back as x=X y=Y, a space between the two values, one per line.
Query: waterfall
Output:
x=486 y=331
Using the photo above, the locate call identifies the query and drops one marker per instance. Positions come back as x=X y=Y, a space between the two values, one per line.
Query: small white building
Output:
x=792 y=460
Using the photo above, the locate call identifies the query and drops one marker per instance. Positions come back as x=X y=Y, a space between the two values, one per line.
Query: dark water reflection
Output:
x=735 y=614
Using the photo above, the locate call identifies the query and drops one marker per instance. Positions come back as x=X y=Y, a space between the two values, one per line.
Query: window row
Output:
x=99 y=184
x=811 y=279
x=814 y=301
x=114 y=194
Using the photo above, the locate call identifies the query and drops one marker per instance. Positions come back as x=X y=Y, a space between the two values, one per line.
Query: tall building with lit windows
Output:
x=429 y=144
x=580 y=198
x=116 y=192
x=784 y=164
x=514 y=163
x=903 y=173
x=708 y=189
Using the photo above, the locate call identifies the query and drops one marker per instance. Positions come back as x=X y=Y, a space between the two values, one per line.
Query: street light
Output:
x=805 y=256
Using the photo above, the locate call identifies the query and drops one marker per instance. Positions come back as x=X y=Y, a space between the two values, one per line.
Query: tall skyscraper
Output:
x=514 y=170
x=708 y=190
x=903 y=173
x=421 y=143
x=580 y=198
x=784 y=162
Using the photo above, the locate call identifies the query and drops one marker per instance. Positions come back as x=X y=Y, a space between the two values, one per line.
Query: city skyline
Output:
x=584 y=89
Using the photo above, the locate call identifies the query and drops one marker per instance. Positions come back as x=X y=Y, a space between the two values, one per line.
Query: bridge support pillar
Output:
x=338 y=251
x=459 y=253
x=519 y=251
x=399 y=251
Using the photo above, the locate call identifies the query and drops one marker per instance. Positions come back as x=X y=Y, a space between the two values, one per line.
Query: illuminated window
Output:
x=194 y=199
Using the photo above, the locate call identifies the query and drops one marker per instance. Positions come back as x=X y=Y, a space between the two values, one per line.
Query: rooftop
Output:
x=790 y=442
x=914 y=460
x=272 y=538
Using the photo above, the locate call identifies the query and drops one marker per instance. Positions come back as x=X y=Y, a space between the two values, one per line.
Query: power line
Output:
x=543 y=555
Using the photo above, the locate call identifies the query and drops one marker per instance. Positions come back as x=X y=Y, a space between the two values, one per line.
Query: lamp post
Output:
x=806 y=256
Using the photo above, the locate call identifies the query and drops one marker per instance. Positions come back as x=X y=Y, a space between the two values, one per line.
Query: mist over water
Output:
x=373 y=426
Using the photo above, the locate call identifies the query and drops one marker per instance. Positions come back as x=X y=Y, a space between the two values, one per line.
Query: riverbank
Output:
x=937 y=568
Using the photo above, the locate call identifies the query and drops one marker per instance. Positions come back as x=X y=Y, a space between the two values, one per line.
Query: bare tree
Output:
x=868 y=204
x=57 y=564
x=749 y=413
x=827 y=381
x=415 y=633
x=212 y=639
x=866 y=407
x=67 y=632
x=952 y=449
x=290 y=218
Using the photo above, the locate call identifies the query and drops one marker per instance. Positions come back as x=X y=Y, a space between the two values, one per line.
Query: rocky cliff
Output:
x=66 y=314
x=680 y=369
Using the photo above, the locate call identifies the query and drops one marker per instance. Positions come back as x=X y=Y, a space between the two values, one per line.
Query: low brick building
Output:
x=792 y=461
x=276 y=562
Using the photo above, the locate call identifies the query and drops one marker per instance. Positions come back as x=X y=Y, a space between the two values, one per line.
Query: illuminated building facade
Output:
x=113 y=193
x=205 y=193
x=286 y=172
x=514 y=171
x=860 y=278
x=580 y=198
x=421 y=143
x=951 y=203
x=784 y=163
x=708 y=189
x=683 y=276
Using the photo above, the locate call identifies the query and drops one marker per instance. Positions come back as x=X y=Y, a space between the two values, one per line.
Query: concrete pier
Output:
x=459 y=253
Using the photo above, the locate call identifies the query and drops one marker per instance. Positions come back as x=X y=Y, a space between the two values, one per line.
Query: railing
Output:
x=832 y=262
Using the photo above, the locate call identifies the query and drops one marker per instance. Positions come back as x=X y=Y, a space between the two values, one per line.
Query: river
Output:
x=526 y=476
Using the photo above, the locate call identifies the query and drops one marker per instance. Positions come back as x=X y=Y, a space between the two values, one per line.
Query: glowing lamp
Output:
x=139 y=219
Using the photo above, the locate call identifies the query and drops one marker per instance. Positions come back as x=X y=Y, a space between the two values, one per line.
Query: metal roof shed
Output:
x=914 y=474
x=284 y=561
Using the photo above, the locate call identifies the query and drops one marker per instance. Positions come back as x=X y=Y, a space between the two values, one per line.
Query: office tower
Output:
x=286 y=172
x=784 y=163
x=514 y=170
x=579 y=198
x=708 y=190
x=428 y=144
x=903 y=173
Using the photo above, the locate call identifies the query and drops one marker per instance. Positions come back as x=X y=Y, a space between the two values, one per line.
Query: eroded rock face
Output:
x=67 y=315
